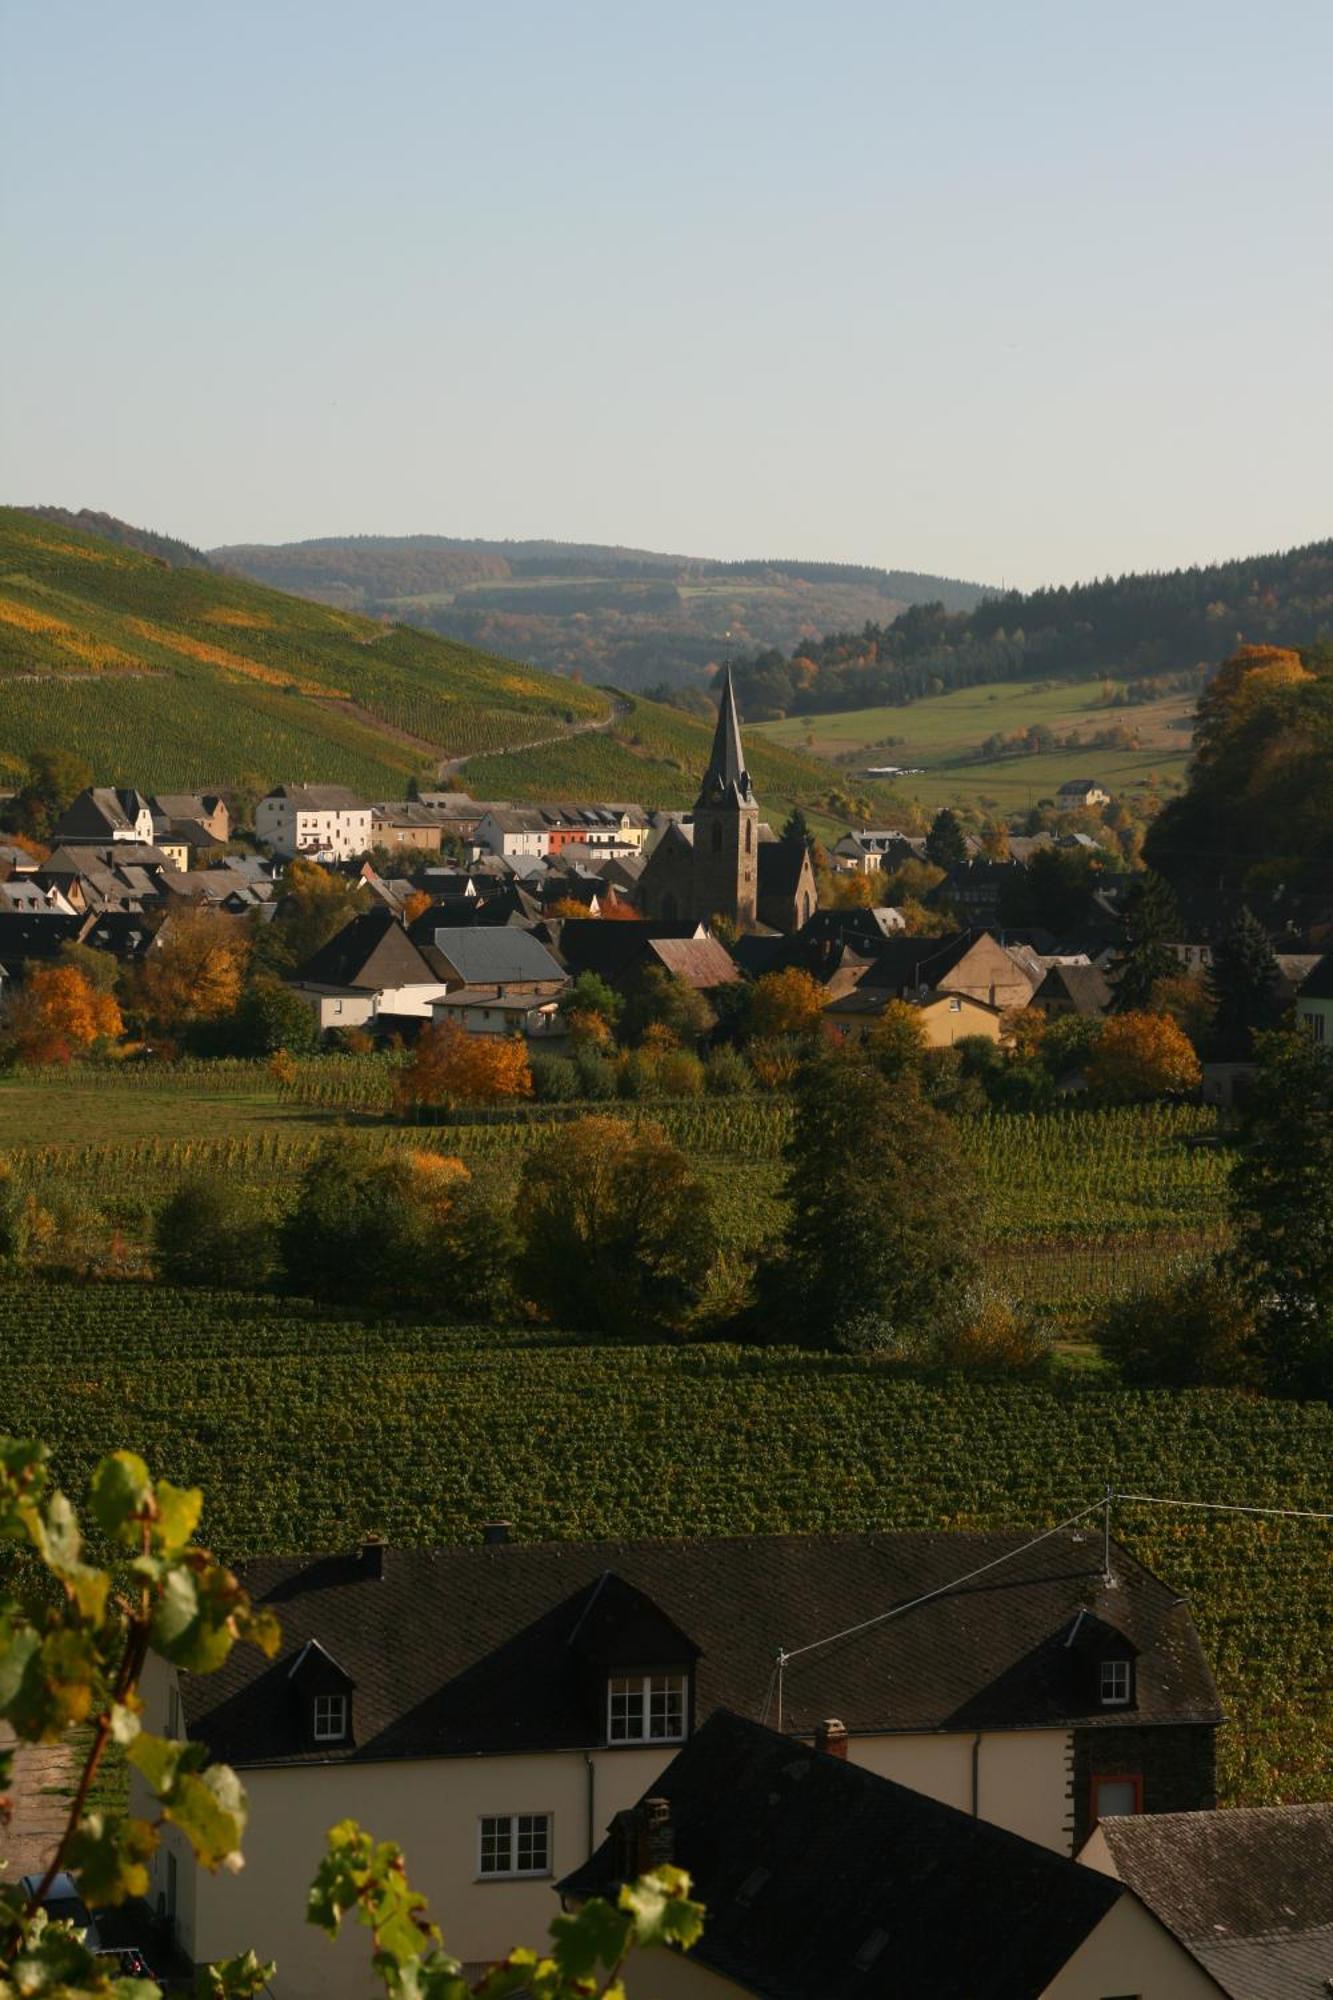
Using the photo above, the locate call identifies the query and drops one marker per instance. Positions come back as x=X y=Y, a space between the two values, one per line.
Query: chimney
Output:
x=495 y=1534
x=659 y=1834
x=372 y=1556
x=831 y=1737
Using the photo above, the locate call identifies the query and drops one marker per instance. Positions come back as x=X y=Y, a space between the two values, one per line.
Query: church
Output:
x=723 y=863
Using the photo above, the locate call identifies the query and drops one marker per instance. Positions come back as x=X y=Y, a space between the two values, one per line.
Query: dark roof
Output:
x=372 y=952
x=823 y=1881
x=320 y=798
x=490 y=957
x=1083 y=986
x=611 y=948
x=1319 y=984
x=38 y=936
x=901 y=963
x=726 y=781
x=464 y=1650
x=97 y=812
x=701 y=962
x=780 y=866
x=1248 y=1891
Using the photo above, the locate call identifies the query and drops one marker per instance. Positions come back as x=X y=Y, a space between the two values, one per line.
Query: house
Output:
x=884 y=848
x=1247 y=1893
x=710 y=867
x=371 y=968
x=945 y=1017
x=206 y=810
x=500 y=958
x=102 y=814
x=406 y=824
x=513 y=832
x=495 y=1706
x=1077 y=794
x=1072 y=989
x=972 y=963
x=613 y=950
x=485 y=1010
x=977 y=890
x=822 y=1881
x=1314 y=1003
x=19 y=893
x=317 y=822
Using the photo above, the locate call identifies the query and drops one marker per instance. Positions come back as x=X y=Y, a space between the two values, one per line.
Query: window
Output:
x=515 y=1844
x=1112 y=1798
x=646 y=1708
x=749 y=836
x=955 y=1006
x=1114 y=1685
x=330 y=1718
x=1315 y=1023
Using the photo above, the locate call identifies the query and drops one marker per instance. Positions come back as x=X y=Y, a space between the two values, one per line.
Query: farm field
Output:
x=941 y=731
x=306 y=1432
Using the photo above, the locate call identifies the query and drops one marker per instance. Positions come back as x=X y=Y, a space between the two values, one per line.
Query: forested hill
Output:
x=177 y=554
x=1130 y=626
x=635 y=617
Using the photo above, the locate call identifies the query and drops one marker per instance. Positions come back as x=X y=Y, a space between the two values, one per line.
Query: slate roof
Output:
x=610 y=949
x=495 y=955
x=1319 y=984
x=1084 y=987
x=1248 y=1891
x=701 y=962
x=823 y=1881
x=903 y=962
x=465 y=1650
x=370 y=953
x=726 y=781
x=319 y=798
x=780 y=865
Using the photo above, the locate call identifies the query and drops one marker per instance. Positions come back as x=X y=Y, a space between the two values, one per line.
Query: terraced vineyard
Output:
x=305 y=1432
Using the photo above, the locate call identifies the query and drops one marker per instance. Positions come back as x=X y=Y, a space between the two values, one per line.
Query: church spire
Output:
x=726 y=781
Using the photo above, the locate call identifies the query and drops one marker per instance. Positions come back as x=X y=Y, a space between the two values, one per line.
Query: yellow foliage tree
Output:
x=1140 y=1055
x=195 y=973
x=449 y=1066
x=774 y=1063
x=897 y=1037
x=59 y=1015
x=786 y=1003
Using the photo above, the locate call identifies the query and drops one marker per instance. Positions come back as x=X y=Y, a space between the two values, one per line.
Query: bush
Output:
x=13 y=1223
x=989 y=1333
x=637 y=1077
x=680 y=1074
x=555 y=1079
x=1193 y=1330
x=597 y=1076
x=270 y=1016
x=204 y=1236
x=726 y=1073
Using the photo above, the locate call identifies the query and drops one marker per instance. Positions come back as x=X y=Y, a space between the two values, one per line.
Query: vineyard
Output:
x=306 y=1432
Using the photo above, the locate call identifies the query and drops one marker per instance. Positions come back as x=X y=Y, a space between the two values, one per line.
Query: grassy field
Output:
x=307 y=1431
x=943 y=732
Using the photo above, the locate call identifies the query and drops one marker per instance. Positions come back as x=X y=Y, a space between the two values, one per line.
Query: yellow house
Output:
x=494 y=1707
x=824 y=1882
x=945 y=1018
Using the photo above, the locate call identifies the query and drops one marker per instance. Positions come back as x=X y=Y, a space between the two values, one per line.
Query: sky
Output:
x=1008 y=291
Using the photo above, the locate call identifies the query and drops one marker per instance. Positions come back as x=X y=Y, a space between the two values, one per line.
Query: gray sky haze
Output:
x=1004 y=290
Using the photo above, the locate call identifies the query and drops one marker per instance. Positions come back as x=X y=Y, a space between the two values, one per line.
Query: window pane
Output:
x=533 y=1842
x=496 y=1847
x=625 y=1711
x=1116 y=1796
x=1115 y=1680
x=666 y=1700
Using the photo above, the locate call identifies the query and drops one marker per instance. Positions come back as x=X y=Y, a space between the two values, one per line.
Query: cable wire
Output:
x=1226 y=1507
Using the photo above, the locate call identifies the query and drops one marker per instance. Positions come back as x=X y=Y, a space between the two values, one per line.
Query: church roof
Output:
x=726 y=781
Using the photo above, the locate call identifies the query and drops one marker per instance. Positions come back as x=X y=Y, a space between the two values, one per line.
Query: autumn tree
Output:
x=591 y=1009
x=790 y=1002
x=1141 y=1055
x=55 y=779
x=883 y=1211
x=193 y=972
x=662 y=999
x=314 y=905
x=450 y=1066
x=58 y=1015
x=618 y=1229
x=895 y=1041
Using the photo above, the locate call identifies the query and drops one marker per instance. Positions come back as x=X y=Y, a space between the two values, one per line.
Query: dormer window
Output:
x=646 y=1708
x=1116 y=1683
x=330 y=1718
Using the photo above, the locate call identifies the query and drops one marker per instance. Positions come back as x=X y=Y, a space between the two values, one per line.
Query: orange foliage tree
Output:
x=449 y=1066
x=416 y=906
x=60 y=1014
x=1142 y=1055
x=195 y=973
x=786 y=1003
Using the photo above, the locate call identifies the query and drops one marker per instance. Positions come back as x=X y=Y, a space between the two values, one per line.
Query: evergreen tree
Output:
x=946 y=845
x=1282 y=1214
x=1150 y=922
x=1243 y=984
x=797 y=827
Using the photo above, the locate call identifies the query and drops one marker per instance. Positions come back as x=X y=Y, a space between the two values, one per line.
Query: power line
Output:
x=1226 y=1507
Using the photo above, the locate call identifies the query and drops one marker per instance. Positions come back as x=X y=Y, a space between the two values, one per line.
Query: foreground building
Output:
x=494 y=1707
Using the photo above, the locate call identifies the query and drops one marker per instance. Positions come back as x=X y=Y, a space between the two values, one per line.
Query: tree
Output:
x=1282 y=1213
x=1150 y=924
x=193 y=972
x=450 y=1066
x=661 y=999
x=75 y=1639
x=55 y=779
x=1192 y=1329
x=790 y=1002
x=590 y=995
x=1140 y=1055
x=314 y=906
x=204 y=1234
x=895 y=1040
x=1244 y=984
x=58 y=1016
x=618 y=1229
x=883 y=1212
x=99 y=968
x=270 y=1016
x=946 y=844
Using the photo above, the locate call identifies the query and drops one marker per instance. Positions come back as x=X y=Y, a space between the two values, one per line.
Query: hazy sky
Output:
x=999 y=289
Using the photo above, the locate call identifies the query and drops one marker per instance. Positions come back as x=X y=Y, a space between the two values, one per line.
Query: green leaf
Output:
x=660 y=1909
x=178 y=1511
x=109 y=1855
x=591 y=1937
x=120 y=1496
x=125 y=1724
x=209 y=1807
x=56 y=1686
x=19 y=1649
x=233 y=1978
x=157 y=1760
x=193 y=1620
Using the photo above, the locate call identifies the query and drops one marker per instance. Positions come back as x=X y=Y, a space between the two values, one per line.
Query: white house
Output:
x=1314 y=1003
x=369 y=970
x=103 y=814
x=511 y=832
x=494 y=1707
x=317 y=822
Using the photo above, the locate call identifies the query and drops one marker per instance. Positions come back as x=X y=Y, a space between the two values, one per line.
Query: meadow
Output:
x=306 y=1431
x=943 y=732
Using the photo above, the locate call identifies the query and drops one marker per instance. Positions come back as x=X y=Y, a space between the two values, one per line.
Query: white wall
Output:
x=1130 y=1952
x=1022 y=1775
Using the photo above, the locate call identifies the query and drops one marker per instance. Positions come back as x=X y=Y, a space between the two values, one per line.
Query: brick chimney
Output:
x=642 y=1837
x=372 y=1556
x=659 y=1834
x=831 y=1737
x=495 y=1534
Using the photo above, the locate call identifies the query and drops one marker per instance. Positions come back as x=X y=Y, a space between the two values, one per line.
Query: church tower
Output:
x=726 y=826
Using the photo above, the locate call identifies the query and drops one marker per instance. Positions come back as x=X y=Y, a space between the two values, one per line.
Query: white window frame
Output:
x=1115 y=1683
x=512 y=1822
x=324 y=1730
x=640 y=1689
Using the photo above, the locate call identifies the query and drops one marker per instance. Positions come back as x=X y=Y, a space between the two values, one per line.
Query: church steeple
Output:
x=726 y=781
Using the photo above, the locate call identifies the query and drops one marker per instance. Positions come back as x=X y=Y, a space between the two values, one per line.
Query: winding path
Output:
x=598 y=725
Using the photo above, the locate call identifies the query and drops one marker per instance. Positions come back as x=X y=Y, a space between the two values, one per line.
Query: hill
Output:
x=177 y=676
x=633 y=616
x=1159 y=625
